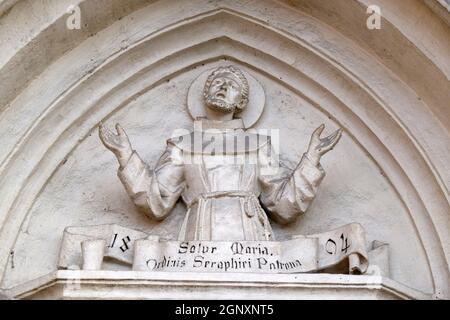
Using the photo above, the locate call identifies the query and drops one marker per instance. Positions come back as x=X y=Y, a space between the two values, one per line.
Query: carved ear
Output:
x=242 y=104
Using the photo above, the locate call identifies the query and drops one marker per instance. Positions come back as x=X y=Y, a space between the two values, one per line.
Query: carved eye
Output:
x=233 y=84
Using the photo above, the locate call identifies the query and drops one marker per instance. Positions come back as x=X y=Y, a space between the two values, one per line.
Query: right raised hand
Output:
x=319 y=146
x=118 y=143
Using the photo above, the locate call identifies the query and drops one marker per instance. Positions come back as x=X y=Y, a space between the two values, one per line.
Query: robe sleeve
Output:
x=287 y=193
x=155 y=191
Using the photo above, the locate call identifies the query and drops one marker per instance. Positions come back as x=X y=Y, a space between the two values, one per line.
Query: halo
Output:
x=251 y=113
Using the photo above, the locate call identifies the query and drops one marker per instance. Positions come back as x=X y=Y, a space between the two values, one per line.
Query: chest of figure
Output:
x=218 y=172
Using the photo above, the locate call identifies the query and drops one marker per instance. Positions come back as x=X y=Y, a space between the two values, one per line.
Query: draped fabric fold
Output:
x=225 y=191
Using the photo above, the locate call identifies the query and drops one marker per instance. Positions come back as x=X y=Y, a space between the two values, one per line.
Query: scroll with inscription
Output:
x=149 y=253
x=300 y=254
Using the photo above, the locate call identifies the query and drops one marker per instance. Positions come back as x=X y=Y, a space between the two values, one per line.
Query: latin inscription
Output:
x=300 y=254
x=234 y=256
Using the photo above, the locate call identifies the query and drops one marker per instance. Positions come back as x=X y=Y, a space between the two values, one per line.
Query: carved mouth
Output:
x=220 y=95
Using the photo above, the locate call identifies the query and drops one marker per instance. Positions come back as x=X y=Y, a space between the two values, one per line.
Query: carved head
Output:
x=226 y=90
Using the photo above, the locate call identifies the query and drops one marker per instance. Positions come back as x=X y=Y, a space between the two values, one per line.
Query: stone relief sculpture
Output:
x=232 y=183
x=225 y=200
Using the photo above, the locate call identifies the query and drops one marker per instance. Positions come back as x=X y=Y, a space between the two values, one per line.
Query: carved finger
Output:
x=318 y=131
x=324 y=142
x=102 y=132
x=329 y=139
x=332 y=141
x=120 y=130
x=108 y=134
x=108 y=138
x=337 y=137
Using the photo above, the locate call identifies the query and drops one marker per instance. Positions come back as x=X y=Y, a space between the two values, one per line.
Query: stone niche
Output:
x=388 y=173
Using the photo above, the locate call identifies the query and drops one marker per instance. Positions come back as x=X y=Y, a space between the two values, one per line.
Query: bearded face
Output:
x=224 y=93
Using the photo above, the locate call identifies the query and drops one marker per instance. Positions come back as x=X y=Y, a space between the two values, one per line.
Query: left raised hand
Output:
x=318 y=147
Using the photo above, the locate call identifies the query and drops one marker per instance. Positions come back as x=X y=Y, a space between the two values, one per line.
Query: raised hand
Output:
x=318 y=147
x=118 y=143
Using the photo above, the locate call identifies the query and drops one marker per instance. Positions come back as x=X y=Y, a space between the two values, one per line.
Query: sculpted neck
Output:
x=217 y=115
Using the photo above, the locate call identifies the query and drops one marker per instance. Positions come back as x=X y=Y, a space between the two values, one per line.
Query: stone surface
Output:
x=317 y=62
x=223 y=173
x=198 y=286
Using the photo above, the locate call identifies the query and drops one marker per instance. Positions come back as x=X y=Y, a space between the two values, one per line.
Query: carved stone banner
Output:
x=148 y=253
x=119 y=243
x=227 y=256
x=301 y=254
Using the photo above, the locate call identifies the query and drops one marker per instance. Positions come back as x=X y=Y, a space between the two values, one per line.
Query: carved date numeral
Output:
x=113 y=241
x=331 y=246
x=124 y=247
x=345 y=244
